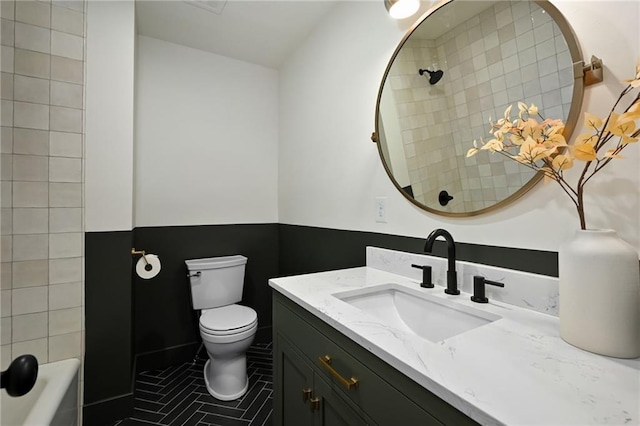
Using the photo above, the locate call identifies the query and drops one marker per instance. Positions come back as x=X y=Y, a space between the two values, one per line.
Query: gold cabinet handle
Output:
x=306 y=394
x=325 y=361
x=315 y=404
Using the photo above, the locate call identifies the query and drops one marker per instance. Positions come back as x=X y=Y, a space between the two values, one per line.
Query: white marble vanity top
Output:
x=513 y=371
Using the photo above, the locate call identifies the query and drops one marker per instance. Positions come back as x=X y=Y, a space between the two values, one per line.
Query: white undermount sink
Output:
x=413 y=311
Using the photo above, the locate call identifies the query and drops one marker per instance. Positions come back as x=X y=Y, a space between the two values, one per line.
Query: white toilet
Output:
x=227 y=329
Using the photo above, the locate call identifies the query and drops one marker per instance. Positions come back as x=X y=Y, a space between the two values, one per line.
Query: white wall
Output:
x=330 y=173
x=206 y=138
x=109 y=115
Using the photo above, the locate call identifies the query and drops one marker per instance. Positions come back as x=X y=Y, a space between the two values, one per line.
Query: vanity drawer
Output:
x=373 y=395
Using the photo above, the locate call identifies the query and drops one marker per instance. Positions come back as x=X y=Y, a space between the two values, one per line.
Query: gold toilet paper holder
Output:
x=135 y=252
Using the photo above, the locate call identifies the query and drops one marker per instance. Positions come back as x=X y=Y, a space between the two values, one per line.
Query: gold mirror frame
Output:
x=572 y=118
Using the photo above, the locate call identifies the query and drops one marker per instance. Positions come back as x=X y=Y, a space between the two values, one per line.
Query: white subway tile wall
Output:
x=30 y=273
x=42 y=91
x=485 y=70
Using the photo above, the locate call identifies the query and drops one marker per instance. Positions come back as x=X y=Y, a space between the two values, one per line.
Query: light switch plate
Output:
x=381 y=209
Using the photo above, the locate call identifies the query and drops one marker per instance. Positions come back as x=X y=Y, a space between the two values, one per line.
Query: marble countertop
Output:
x=513 y=371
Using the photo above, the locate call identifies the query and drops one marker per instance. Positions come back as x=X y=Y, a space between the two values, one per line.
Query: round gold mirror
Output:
x=459 y=66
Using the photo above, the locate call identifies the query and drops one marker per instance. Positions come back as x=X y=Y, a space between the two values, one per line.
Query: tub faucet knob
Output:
x=21 y=375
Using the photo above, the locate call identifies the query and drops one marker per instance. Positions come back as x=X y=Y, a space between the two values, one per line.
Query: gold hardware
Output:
x=306 y=394
x=140 y=252
x=325 y=361
x=593 y=72
x=315 y=404
x=374 y=137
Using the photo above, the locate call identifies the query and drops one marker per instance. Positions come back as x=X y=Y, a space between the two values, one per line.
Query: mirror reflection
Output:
x=463 y=65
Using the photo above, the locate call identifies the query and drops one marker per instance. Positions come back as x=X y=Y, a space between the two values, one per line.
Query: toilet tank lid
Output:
x=228 y=317
x=215 y=262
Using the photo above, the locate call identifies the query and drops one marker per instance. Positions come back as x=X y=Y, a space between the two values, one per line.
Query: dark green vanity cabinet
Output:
x=307 y=399
x=306 y=392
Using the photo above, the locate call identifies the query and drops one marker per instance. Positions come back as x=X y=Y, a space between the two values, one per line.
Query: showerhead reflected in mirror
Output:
x=434 y=76
x=478 y=58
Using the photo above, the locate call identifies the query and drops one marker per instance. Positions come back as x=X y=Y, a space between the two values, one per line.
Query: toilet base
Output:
x=227 y=396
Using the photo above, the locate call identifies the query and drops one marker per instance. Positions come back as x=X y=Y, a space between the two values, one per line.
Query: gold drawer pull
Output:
x=306 y=394
x=348 y=383
x=315 y=404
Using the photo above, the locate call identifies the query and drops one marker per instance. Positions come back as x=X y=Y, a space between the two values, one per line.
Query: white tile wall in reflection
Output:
x=62 y=169
x=66 y=69
x=30 y=142
x=31 y=89
x=67 y=45
x=30 y=168
x=64 y=144
x=6 y=59
x=67 y=20
x=31 y=115
x=31 y=37
x=66 y=119
x=34 y=64
x=32 y=12
x=484 y=70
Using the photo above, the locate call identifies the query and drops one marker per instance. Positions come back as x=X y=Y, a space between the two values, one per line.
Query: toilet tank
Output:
x=216 y=281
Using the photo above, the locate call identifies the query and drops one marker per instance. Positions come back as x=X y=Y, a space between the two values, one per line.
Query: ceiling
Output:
x=450 y=16
x=262 y=32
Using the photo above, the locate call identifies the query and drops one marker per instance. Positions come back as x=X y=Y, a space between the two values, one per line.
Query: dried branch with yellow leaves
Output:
x=539 y=144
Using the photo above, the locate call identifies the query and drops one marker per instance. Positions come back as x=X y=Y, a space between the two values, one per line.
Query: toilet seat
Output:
x=228 y=320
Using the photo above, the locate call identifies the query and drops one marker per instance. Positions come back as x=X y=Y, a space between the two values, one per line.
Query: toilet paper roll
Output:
x=150 y=269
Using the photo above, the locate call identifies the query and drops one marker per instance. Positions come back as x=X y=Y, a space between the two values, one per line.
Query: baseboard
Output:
x=163 y=358
x=264 y=335
x=107 y=411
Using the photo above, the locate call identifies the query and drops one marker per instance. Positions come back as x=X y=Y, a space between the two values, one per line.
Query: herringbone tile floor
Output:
x=177 y=396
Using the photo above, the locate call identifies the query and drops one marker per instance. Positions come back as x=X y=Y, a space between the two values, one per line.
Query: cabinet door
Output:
x=291 y=397
x=333 y=410
x=296 y=389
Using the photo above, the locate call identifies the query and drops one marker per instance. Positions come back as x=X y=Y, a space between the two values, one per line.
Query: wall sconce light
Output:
x=400 y=9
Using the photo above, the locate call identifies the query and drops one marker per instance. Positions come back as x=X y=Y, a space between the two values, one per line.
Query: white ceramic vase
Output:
x=600 y=294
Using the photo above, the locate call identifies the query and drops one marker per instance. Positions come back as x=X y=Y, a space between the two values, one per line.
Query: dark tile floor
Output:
x=177 y=396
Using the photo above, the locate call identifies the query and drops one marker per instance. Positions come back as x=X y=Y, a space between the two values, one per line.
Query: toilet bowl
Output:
x=227 y=333
x=227 y=329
